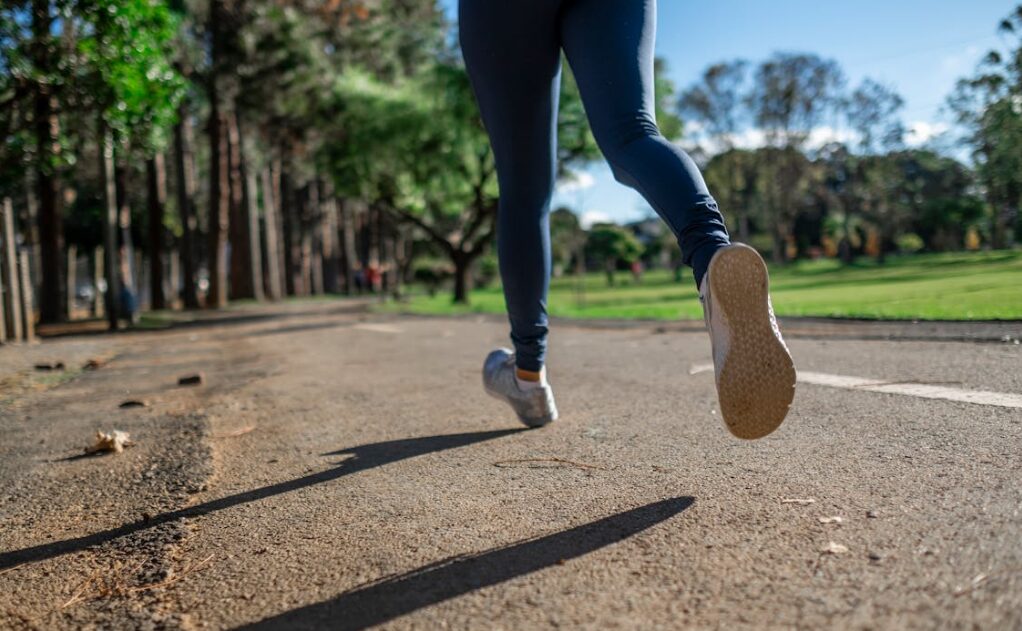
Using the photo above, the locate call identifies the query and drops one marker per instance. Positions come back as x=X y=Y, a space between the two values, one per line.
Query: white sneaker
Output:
x=535 y=406
x=754 y=370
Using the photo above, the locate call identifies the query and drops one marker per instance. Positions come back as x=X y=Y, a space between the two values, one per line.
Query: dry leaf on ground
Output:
x=93 y=364
x=835 y=548
x=114 y=441
x=800 y=502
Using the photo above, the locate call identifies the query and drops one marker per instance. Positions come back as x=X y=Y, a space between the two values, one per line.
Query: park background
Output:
x=230 y=171
x=169 y=155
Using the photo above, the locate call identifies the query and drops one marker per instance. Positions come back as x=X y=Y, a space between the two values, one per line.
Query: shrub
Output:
x=910 y=243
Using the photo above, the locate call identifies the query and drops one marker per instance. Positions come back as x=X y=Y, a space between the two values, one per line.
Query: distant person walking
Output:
x=512 y=52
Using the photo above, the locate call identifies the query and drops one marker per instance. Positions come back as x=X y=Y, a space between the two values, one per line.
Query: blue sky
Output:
x=918 y=47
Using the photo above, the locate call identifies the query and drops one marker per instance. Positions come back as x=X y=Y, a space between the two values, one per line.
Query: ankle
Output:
x=529 y=379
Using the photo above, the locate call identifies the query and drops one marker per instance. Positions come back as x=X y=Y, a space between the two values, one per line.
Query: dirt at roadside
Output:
x=115 y=523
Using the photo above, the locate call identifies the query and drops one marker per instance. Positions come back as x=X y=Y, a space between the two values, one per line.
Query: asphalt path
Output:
x=338 y=469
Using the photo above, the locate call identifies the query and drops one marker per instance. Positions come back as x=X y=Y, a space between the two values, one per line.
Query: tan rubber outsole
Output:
x=756 y=384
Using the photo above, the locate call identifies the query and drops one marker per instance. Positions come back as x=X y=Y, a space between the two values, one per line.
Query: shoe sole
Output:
x=756 y=384
x=531 y=423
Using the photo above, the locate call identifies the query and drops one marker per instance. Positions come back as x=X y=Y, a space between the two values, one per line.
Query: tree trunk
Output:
x=242 y=285
x=328 y=240
x=11 y=298
x=271 y=219
x=127 y=268
x=1002 y=232
x=462 y=277
x=608 y=267
x=156 y=176
x=743 y=226
x=106 y=164
x=3 y=322
x=126 y=243
x=844 y=245
x=305 y=255
x=779 y=203
x=173 y=274
x=219 y=211
x=219 y=168
x=250 y=218
x=287 y=216
x=72 y=279
x=31 y=233
x=387 y=251
x=47 y=135
x=402 y=261
x=780 y=254
x=255 y=268
x=51 y=236
x=277 y=171
x=27 y=313
x=141 y=272
x=882 y=242
x=97 y=279
x=373 y=248
x=183 y=164
x=350 y=255
x=312 y=247
x=302 y=245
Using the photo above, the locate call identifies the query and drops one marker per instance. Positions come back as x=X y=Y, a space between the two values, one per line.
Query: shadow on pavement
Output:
x=297 y=328
x=199 y=319
x=362 y=458
x=397 y=595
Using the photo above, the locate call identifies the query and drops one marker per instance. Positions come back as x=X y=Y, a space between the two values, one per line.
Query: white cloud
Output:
x=751 y=138
x=576 y=182
x=694 y=128
x=919 y=132
x=591 y=217
x=755 y=138
x=823 y=135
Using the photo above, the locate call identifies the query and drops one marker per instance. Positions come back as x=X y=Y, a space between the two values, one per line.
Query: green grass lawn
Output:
x=958 y=286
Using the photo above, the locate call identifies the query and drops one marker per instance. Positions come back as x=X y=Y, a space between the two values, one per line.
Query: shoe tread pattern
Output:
x=756 y=384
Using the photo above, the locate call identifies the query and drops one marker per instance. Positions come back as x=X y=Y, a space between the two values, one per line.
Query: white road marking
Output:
x=698 y=368
x=921 y=390
x=377 y=328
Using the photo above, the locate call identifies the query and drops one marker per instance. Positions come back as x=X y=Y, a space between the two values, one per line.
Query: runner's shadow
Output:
x=394 y=596
x=362 y=458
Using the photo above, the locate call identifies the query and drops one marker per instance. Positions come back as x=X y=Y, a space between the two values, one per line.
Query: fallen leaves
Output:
x=93 y=364
x=981 y=579
x=235 y=433
x=976 y=583
x=112 y=442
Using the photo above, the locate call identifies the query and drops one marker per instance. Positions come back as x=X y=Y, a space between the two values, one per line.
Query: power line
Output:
x=928 y=49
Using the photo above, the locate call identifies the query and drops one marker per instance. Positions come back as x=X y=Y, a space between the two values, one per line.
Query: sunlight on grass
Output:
x=958 y=286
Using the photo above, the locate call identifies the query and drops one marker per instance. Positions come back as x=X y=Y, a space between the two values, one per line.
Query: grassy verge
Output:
x=956 y=286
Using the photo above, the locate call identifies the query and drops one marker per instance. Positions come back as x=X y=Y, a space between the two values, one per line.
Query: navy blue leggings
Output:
x=512 y=51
